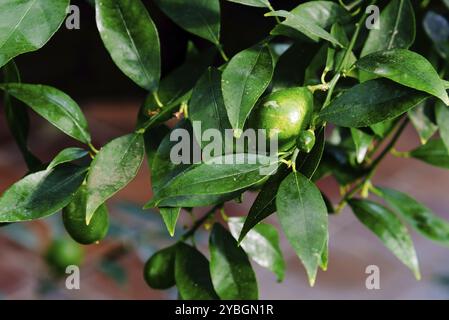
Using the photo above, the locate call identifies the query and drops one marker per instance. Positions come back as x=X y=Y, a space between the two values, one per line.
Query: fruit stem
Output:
x=157 y=99
x=272 y=10
x=200 y=222
x=321 y=87
x=91 y=146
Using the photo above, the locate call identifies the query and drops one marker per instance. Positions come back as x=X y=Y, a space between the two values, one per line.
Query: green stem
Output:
x=373 y=168
x=222 y=53
x=157 y=99
x=272 y=10
x=91 y=146
x=200 y=222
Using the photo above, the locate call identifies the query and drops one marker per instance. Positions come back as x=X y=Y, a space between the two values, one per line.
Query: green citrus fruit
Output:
x=159 y=271
x=285 y=112
x=63 y=253
x=74 y=218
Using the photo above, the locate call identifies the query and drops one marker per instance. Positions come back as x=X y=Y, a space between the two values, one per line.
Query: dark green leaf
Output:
x=53 y=105
x=303 y=216
x=199 y=17
x=390 y=230
x=434 y=152
x=290 y=71
x=67 y=155
x=442 y=117
x=396 y=28
x=253 y=3
x=216 y=176
x=407 y=68
x=264 y=205
x=436 y=26
x=261 y=244
x=112 y=169
x=27 y=25
x=207 y=106
x=420 y=119
x=170 y=217
x=17 y=117
x=132 y=40
x=40 y=194
x=192 y=274
x=421 y=218
x=321 y=13
x=371 y=102
x=175 y=87
x=362 y=143
x=304 y=25
x=244 y=80
x=153 y=138
x=232 y=275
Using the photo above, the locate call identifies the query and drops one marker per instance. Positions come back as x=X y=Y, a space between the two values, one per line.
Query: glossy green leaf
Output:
x=53 y=105
x=41 y=194
x=442 y=117
x=232 y=275
x=244 y=80
x=434 y=152
x=216 y=176
x=304 y=25
x=321 y=13
x=407 y=68
x=371 y=102
x=170 y=217
x=207 y=106
x=192 y=274
x=389 y=229
x=420 y=119
x=396 y=28
x=362 y=143
x=261 y=244
x=303 y=217
x=200 y=17
x=17 y=118
x=27 y=25
x=164 y=170
x=112 y=169
x=265 y=203
x=253 y=3
x=153 y=139
x=132 y=40
x=67 y=155
x=421 y=218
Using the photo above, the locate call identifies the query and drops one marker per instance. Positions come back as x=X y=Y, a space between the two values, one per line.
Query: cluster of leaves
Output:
x=377 y=84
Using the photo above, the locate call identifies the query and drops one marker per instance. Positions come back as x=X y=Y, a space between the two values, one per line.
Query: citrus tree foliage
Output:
x=353 y=85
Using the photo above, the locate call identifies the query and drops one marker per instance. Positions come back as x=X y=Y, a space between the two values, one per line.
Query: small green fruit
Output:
x=306 y=141
x=63 y=253
x=285 y=112
x=74 y=218
x=159 y=270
